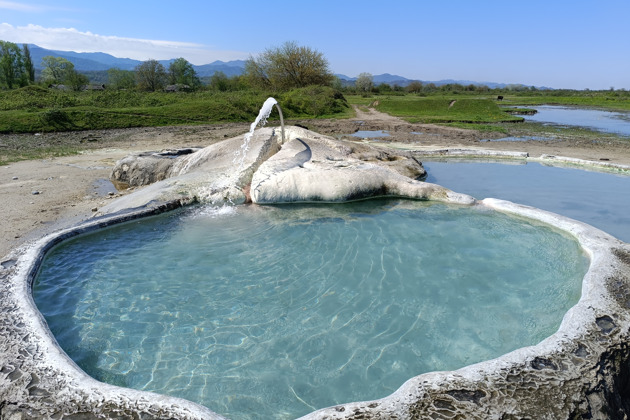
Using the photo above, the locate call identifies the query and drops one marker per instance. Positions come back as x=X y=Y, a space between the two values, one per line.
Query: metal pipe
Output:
x=281 y=120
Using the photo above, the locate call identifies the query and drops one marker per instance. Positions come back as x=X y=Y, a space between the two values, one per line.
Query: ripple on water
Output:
x=257 y=311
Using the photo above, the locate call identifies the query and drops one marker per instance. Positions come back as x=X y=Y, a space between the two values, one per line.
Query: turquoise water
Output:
x=597 y=198
x=272 y=312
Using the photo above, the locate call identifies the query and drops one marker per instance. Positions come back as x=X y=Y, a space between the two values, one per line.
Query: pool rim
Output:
x=70 y=389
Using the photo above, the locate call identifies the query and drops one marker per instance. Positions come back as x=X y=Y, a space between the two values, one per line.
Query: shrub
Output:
x=315 y=101
x=55 y=118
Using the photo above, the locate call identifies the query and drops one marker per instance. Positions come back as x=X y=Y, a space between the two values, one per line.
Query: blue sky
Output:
x=556 y=43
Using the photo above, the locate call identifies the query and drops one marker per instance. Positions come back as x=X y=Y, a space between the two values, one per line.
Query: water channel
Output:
x=599 y=120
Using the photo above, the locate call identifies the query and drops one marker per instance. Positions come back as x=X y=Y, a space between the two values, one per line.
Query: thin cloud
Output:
x=20 y=7
x=70 y=39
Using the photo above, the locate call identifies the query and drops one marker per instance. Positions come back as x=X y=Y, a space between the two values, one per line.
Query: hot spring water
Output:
x=272 y=312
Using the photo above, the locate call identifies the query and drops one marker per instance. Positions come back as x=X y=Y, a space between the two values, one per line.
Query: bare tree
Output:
x=289 y=66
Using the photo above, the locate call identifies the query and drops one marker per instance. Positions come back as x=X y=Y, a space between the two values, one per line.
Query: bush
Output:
x=55 y=118
x=35 y=97
x=315 y=101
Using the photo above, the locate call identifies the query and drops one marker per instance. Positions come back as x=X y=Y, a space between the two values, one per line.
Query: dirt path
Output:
x=373 y=116
x=38 y=196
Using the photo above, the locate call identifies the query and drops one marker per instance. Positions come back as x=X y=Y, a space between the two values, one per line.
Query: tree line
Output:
x=277 y=69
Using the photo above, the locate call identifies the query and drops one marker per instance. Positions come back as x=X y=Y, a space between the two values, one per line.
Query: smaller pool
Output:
x=273 y=312
x=597 y=198
x=371 y=134
x=608 y=121
x=521 y=138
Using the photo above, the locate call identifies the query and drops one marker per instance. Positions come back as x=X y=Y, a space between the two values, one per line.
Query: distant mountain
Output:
x=229 y=68
x=91 y=62
x=394 y=80
x=82 y=61
x=380 y=78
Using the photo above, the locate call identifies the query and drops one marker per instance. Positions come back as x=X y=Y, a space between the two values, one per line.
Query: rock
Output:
x=15 y=178
x=207 y=175
x=148 y=167
x=312 y=168
x=35 y=192
x=308 y=167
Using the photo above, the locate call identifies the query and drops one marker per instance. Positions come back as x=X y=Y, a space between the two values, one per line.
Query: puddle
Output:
x=103 y=187
x=370 y=134
x=8 y=264
x=522 y=138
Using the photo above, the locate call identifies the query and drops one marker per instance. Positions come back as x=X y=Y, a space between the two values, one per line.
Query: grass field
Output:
x=35 y=109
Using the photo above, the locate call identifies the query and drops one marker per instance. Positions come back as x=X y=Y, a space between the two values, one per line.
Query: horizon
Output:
x=573 y=45
x=345 y=77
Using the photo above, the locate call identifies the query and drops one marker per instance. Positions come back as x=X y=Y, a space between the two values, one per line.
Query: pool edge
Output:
x=576 y=370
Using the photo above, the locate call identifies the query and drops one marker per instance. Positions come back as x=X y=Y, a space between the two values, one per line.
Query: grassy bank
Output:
x=445 y=110
x=35 y=109
x=463 y=111
x=607 y=102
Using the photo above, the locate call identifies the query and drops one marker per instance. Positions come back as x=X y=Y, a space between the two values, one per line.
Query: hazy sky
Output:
x=556 y=43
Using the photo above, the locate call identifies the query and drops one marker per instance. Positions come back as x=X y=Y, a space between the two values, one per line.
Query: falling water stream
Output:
x=261 y=119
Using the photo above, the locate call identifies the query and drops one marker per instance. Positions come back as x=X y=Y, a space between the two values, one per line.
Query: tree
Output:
x=29 y=68
x=287 y=67
x=12 y=72
x=414 y=87
x=364 y=82
x=219 y=81
x=150 y=75
x=56 y=69
x=383 y=87
x=121 y=79
x=181 y=72
x=76 y=80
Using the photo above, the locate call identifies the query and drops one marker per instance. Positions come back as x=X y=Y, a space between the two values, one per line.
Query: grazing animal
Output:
x=499 y=98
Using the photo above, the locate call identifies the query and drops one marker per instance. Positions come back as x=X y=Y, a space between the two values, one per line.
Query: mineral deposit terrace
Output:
x=581 y=371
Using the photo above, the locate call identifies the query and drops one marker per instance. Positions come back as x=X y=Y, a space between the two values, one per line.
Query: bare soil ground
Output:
x=39 y=196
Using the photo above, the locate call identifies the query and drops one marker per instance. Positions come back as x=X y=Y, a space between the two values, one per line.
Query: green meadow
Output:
x=35 y=109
